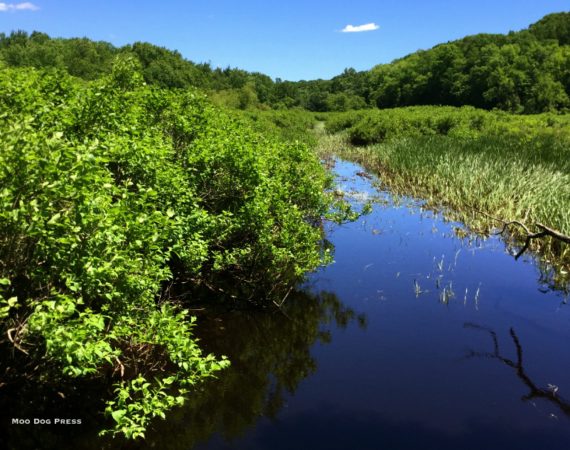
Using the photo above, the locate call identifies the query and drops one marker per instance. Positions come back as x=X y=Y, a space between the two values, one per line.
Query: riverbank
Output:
x=484 y=181
x=404 y=318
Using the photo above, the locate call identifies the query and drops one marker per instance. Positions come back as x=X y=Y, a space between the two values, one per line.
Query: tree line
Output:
x=523 y=72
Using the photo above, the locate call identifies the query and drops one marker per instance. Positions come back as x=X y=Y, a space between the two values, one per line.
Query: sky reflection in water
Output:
x=460 y=347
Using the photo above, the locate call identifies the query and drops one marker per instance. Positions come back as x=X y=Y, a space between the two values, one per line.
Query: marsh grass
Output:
x=470 y=163
x=330 y=144
x=507 y=177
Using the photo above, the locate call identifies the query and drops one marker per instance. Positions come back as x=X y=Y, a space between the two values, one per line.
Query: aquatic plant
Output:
x=486 y=180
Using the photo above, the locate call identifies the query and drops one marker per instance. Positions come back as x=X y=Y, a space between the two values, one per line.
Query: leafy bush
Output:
x=287 y=125
x=376 y=126
x=108 y=190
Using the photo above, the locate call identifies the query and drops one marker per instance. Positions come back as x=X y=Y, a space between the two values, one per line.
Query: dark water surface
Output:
x=413 y=339
x=426 y=340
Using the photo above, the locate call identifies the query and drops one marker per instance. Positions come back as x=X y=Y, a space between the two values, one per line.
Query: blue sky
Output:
x=289 y=39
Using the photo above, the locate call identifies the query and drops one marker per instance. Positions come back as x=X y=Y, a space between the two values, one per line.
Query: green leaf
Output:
x=54 y=218
x=118 y=415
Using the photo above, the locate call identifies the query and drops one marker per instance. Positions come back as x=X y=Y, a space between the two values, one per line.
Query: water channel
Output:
x=419 y=336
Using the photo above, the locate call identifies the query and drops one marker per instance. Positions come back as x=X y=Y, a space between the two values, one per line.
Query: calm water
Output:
x=430 y=341
x=413 y=339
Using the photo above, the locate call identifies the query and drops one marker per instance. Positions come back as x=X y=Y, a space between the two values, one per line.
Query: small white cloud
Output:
x=26 y=6
x=360 y=28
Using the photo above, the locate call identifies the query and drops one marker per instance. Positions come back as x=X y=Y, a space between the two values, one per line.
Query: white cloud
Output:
x=360 y=28
x=26 y=6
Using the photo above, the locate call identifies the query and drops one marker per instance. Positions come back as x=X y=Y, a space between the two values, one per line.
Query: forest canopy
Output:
x=522 y=72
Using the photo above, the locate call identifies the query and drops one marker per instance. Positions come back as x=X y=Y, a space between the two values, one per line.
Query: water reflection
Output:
x=270 y=354
x=550 y=393
x=447 y=224
x=396 y=378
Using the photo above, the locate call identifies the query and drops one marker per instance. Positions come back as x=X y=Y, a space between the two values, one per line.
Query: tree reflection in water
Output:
x=270 y=351
x=270 y=354
x=549 y=393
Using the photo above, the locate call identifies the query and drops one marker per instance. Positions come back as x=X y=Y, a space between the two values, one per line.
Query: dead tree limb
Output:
x=544 y=231
x=530 y=236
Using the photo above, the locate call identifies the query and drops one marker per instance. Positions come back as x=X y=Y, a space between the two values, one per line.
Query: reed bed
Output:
x=478 y=179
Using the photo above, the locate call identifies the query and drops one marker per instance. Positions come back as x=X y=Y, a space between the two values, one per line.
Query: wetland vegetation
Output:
x=165 y=231
x=110 y=191
x=488 y=168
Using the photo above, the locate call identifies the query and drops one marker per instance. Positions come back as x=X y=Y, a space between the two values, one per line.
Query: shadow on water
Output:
x=382 y=349
x=403 y=381
x=53 y=410
x=270 y=354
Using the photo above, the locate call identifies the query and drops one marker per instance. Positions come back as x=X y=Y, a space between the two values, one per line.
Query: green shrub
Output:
x=376 y=126
x=287 y=125
x=107 y=189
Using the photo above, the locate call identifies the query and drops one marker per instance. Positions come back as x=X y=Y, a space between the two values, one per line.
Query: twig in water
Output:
x=544 y=231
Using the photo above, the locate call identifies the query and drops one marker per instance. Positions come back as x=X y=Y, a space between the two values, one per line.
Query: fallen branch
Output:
x=544 y=231
x=14 y=341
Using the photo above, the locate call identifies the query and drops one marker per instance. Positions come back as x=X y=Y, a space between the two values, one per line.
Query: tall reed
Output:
x=506 y=177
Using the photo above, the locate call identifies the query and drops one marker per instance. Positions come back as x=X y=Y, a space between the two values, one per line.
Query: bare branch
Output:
x=544 y=231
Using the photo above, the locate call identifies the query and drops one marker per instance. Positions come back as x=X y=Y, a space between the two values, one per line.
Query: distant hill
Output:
x=525 y=72
x=553 y=26
x=87 y=59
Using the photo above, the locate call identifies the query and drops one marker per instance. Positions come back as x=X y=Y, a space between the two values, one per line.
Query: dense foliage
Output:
x=290 y=125
x=519 y=72
x=111 y=188
x=87 y=59
x=523 y=72
x=376 y=126
x=122 y=186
